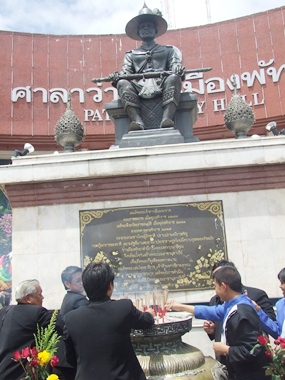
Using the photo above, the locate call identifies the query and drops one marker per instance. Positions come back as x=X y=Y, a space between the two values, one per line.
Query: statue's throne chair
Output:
x=151 y=113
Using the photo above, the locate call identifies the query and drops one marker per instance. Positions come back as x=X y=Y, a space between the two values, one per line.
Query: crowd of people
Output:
x=234 y=319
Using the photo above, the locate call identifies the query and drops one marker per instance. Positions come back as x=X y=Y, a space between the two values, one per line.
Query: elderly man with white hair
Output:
x=18 y=324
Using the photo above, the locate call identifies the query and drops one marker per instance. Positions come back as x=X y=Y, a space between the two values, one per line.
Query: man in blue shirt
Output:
x=241 y=326
x=214 y=330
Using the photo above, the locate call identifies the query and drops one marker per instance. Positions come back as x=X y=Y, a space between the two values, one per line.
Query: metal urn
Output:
x=238 y=116
x=164 y=356
x=69 y=131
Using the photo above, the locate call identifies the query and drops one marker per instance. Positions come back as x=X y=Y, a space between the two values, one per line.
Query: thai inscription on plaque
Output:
x=156 y=247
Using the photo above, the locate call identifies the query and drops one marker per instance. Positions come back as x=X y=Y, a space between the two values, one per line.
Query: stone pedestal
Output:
x=151 y=110
x=47 y=192
x=151 y=137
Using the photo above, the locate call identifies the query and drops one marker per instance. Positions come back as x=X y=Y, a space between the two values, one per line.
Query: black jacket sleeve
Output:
x=70 y=353
x=45 y=316
x=141 y=320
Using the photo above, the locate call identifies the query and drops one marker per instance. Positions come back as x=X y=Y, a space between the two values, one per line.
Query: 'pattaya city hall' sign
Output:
x=194 y=82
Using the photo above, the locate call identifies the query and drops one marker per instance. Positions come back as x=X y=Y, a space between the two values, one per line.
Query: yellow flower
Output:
x=43 y=357
x=52 y=377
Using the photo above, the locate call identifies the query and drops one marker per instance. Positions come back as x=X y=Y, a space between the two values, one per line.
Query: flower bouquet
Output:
x=276 y=356
x=37 y=360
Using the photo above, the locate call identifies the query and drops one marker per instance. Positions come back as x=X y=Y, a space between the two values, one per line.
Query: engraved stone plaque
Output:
x=156 y=247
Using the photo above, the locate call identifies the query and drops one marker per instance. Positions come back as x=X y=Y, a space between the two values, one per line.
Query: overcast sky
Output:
x=110 y=16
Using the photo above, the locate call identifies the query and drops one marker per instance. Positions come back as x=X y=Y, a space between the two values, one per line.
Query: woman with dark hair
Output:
x=277 y=328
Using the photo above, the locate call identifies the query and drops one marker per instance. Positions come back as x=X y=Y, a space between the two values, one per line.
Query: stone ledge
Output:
x=145 y=160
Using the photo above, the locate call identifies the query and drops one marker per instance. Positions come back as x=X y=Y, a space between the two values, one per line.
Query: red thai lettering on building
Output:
x=37 y=71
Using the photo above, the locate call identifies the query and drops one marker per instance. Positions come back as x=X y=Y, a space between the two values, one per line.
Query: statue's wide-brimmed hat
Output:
x=146 y=14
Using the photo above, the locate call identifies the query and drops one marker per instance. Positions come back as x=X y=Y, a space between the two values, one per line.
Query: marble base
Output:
x=46 y=237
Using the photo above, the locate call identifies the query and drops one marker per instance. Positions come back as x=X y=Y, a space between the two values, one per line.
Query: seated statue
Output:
x=157 y=68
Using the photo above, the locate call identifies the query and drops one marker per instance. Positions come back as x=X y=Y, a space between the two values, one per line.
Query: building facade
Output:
x=38 y=70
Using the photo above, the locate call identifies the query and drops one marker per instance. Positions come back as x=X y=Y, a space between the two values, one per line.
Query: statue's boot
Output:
x=136 y=120
x=136 y=126
x=167 y=116
x=167 y=123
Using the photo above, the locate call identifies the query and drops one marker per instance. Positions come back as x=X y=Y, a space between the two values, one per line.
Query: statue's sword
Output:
x=150 y=74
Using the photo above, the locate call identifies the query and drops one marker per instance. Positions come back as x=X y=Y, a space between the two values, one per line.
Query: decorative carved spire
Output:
x=69 y=131
x=238 y=116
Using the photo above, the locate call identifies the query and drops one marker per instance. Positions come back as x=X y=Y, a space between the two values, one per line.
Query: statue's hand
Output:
x=179 y=70
x=115 y=76
x=149 y=70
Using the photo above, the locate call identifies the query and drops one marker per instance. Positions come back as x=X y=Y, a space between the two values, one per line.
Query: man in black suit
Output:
x=71 y=278
x=18 y=323
x=74 y=298
x=97 y=337
x=214 y=330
